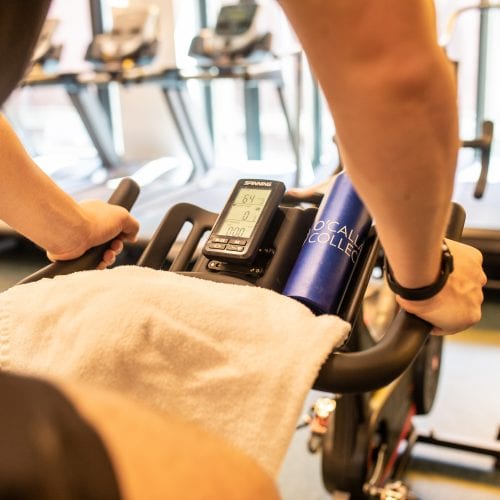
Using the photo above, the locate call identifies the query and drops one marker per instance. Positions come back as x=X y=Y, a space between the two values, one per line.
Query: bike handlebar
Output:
x=342 y=372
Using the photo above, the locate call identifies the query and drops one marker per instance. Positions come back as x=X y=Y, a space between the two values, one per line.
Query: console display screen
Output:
x=244 y=213
x=235 y=19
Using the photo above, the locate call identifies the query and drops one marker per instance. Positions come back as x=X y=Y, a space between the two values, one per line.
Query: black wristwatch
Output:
x=425 y=292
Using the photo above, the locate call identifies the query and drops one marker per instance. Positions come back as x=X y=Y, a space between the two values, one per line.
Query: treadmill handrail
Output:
x=447 y=35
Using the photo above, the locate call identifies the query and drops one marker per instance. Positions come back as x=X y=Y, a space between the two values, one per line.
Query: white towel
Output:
x=238 y=360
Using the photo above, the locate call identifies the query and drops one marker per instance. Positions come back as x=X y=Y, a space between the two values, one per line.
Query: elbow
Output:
x=410 y=76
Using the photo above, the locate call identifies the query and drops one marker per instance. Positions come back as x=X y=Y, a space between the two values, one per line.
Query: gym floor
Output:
x=467 y=408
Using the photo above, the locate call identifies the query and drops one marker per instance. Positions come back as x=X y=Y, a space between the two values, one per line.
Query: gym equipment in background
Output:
x=482 y=145
x=132 y=40
x=45 y=58
x=45 y=73
x=123 y=55
x=447 y=35
x=482 y=229
x=236 y=38
x=238 y=48
x=47 y=53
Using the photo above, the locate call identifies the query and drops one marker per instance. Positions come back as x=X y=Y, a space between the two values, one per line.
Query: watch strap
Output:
x=425 y=292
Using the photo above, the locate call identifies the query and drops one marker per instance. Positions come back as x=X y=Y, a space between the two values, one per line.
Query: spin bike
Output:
x=378 y=385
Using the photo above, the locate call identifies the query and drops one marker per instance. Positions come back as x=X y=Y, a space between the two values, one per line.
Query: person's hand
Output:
x=306 y=192
x=103 y=223
x=458 y=305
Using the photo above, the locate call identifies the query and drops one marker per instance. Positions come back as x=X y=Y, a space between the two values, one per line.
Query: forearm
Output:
x=401 y=156
x=392 y=96
x=32 y=203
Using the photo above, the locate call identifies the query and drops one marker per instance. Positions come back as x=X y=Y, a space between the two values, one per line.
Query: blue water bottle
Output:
x=331 y=249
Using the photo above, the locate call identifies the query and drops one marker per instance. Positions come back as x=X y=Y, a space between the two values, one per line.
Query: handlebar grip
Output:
x=125 y=196
x=379 y=365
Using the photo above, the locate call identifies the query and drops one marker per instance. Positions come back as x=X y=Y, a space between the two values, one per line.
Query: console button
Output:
x=237 y=241
x=218 y=239
x=217 y=246
x=235 y=248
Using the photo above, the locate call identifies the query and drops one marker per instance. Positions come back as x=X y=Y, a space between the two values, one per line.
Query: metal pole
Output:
x=252 y=120
x=482 y=70
x=96 y=19
x=207 y=88
x=299 y=85
x=317 y=125
x=98 y=26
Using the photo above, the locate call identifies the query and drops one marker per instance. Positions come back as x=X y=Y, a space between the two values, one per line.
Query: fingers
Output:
x=109 y=256
x=130 y=228
x=483 y=279
x=117 y=246
x=439 y=332
x=108 y=221
x=301 y=193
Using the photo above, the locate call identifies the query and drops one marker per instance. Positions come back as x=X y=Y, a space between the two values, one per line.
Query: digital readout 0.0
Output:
x=244 y=213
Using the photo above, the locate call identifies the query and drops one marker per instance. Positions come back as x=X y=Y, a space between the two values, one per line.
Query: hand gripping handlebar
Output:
x=125 y=196
x=375 y=367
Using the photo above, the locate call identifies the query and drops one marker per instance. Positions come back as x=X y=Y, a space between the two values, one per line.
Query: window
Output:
x=43 y=116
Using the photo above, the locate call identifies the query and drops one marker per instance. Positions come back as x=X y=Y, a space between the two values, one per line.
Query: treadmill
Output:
x=47 y=52
x=236 y=38
x=227 y=51
x=123 y=55
x=132 y=40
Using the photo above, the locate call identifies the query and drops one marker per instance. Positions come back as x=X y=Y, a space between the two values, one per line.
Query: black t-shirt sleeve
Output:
x=20 y=25
x=47 y=450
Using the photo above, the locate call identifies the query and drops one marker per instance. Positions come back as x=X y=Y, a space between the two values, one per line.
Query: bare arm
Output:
x=37 y=208
x=159 y=456
x=392 y=95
